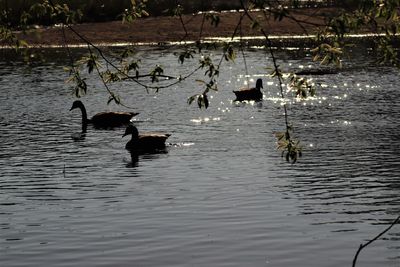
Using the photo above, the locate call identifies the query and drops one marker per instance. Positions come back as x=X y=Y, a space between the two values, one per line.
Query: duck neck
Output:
x=259 y=85
x=84 y=126
x=85 y=120
x=135 y=136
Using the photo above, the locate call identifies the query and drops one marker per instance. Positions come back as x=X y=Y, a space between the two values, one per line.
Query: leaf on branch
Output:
x=115 y=98
x=215 y=20
x=127 y=53
x=202 y=100
x=90 y=61
x=201 y=81
x=280 y=13
x=80 y=86
x=155 y=73
x=291 y=149
x=177 y=11
x=187 y=54
x=137 y=10
x=110 y=77
x=328 y=54
x=255 y=25
x=229 y=52
x=276 y=73
x=191 y=99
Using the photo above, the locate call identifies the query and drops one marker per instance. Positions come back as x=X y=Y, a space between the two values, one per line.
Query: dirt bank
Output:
x=167 y=29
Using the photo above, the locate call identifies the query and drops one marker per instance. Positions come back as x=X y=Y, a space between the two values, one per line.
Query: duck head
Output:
x=131 y=129
x=76 y=104
x=259 y=84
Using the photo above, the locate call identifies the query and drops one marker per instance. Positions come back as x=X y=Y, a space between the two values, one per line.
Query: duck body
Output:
x=146 y=142
x=111 y=119
x=250 y=93
x=104 y=120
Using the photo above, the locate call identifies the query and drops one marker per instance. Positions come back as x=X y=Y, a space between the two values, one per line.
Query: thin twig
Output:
x=374 y=239
x=177 y=5
x=243 y=55
x=202 y=26
x=223 y=55
x=276 y=67
x=125 y=74
x=117 y=101
x=133 y=78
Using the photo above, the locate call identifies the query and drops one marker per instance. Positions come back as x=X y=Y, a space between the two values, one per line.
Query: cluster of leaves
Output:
x=291 y=149
x=137 y=10
x=44 y=12
x=302 y=86
x=212 y=71
x=80 y=86
x=328 y=54
x=213 y=18
x=372 y=16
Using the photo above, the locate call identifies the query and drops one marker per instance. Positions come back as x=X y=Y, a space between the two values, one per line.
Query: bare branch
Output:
x=362 y=246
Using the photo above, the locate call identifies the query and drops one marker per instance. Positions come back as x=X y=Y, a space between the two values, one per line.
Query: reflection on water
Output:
x=220 y=195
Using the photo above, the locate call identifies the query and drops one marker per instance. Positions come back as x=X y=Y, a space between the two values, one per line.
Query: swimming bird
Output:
x=250 y=93
x=147 y=142
x=103 y=120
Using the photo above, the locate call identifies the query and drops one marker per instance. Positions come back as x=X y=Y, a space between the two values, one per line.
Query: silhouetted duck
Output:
x=148 y=142
x=250 y=93
x=103 y=119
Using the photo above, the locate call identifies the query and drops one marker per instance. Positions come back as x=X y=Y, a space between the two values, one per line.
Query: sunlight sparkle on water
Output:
x=224 y=110
x=324 y=85
x=205 y=120
x=346 y=123
x=184 y=144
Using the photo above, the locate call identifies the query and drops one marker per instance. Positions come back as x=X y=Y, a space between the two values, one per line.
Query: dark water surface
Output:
x=222 y=195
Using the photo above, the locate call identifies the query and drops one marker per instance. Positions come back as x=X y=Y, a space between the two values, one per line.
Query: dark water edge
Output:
x=278 y=42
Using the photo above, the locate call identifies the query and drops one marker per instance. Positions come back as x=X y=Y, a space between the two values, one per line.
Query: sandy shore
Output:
x=169 y=29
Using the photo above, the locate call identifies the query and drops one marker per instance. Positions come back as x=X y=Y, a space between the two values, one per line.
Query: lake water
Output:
x=222 y=195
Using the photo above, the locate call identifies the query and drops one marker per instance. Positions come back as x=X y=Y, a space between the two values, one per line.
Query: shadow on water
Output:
x=78 y=137
x=147 y=156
